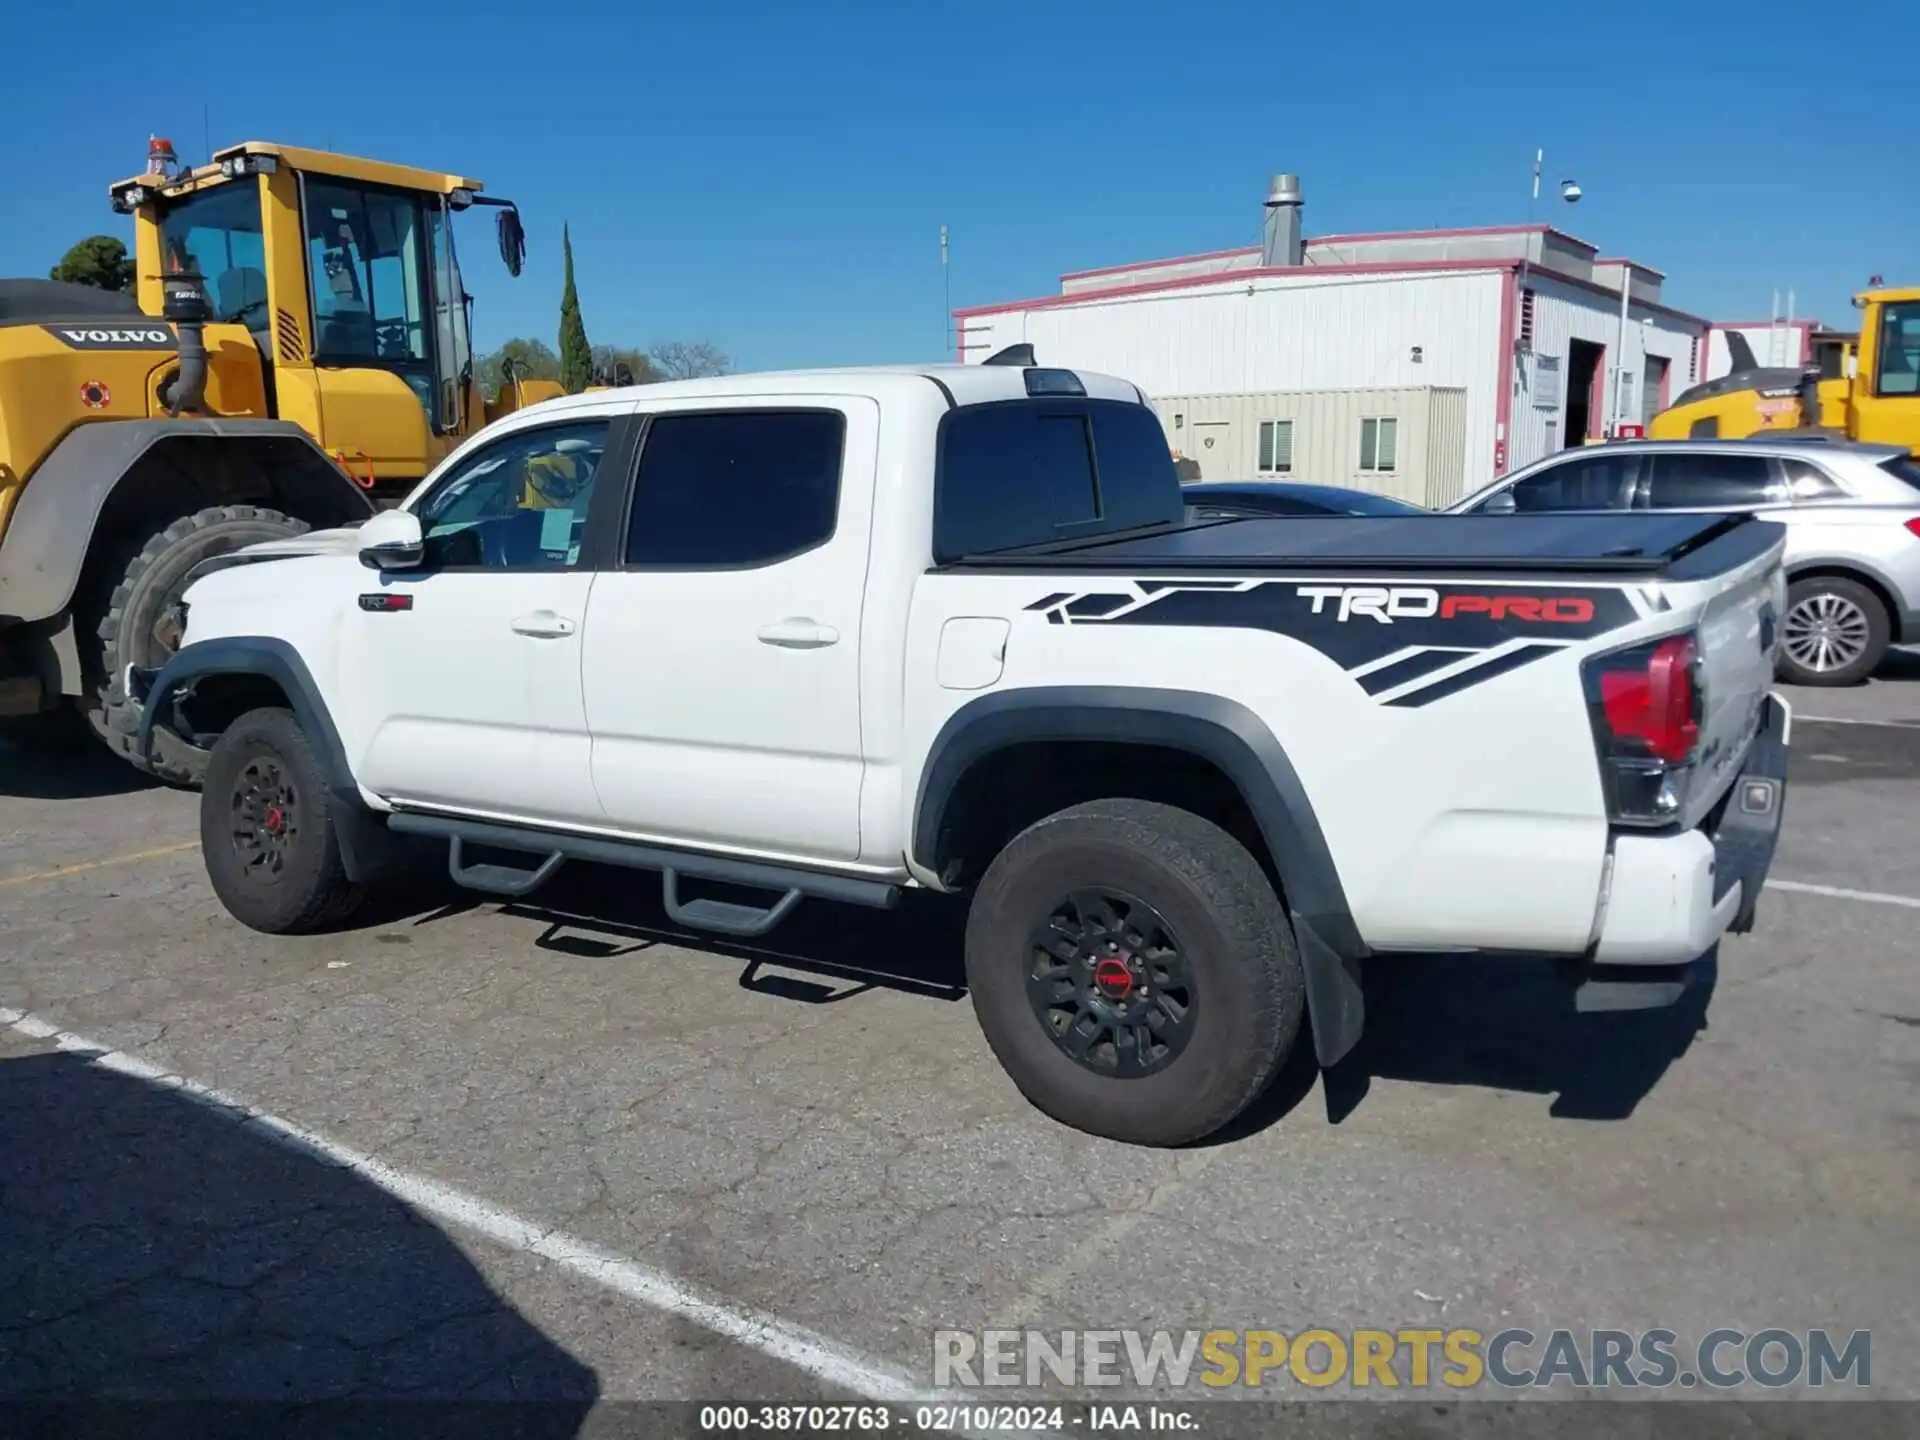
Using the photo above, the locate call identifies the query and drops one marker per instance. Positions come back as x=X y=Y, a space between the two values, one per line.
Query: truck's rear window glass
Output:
x=1026 y=472
x=735 y=488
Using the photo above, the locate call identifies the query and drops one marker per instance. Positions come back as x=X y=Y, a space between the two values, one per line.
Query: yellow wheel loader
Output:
x=295 y=355
x=1864 y=387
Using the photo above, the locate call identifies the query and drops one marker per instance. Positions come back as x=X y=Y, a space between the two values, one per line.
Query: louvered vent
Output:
x=288 y=330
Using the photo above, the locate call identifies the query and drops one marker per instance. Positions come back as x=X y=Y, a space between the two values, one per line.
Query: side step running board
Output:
x=500 y=879
x=721 y=916
x=555 y=847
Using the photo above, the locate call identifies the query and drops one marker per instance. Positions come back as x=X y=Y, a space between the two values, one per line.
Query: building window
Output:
x=1379 y=445
x=1276 y=447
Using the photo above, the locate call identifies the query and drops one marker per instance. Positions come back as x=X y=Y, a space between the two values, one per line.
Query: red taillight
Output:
x=1914 y=526
x=1655 y=704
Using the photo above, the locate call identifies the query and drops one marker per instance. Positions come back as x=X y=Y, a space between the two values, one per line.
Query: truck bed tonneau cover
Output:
x=1636 y=544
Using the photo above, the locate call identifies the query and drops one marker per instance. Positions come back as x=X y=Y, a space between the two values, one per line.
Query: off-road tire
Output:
x=1842 y=593
x=1229 y=924
x=131 y=593
x=309 y=891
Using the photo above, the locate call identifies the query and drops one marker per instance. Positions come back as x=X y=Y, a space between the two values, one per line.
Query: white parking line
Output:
x=800 y=1348
x=1834 y=892
x=1800 y=719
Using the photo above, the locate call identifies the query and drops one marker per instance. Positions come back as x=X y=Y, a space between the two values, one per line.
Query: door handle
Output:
x=543 y=624
x=799 y=634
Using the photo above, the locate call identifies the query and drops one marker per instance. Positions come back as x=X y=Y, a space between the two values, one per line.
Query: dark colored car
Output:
x=1223 y=499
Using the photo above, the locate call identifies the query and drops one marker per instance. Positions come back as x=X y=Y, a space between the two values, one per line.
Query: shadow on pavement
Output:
x=82 y=769
x=154 y=1250
x=1495 y=1022
x=1899 y=664
x=1509 y=1023
x=840 y=950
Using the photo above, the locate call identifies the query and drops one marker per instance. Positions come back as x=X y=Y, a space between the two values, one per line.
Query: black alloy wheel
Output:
x=266 y=819
x=1110 y=984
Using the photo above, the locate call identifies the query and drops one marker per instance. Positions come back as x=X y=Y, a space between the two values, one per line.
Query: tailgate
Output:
x=1738 y=634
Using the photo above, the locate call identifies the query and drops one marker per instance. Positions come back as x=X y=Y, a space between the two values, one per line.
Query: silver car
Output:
x=1852 y=514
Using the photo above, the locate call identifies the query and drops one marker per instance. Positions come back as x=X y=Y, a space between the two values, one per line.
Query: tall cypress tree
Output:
x=576 y=356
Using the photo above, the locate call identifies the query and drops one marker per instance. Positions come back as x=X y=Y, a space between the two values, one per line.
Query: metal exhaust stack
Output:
x=184 y=304
x=1281 y=243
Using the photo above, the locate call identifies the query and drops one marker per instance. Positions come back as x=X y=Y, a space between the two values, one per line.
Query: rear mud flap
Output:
x=1336 y=1005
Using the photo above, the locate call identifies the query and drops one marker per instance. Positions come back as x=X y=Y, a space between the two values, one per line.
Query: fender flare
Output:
x=1210 y=727
x=48 y=538
x=367 y=848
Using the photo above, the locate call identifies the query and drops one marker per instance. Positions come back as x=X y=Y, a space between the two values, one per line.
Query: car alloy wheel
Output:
x=266 y=819
x=1825 y=632
x=1110 y=984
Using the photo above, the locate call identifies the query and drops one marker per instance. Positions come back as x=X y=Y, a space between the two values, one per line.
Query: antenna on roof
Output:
x=1012 y=355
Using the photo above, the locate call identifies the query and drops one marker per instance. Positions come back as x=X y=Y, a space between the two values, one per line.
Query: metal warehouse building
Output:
x=1417 y=363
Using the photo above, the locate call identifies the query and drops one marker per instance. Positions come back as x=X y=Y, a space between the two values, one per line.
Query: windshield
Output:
x=216 y=231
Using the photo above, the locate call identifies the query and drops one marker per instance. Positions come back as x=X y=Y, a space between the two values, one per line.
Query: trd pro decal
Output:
x=1402 y=644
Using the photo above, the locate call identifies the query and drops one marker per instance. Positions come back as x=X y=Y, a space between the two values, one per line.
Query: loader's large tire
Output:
x=123 y=617
x=1134 y=971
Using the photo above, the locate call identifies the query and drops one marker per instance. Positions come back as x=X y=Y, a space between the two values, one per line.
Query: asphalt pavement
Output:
x=558 y=1150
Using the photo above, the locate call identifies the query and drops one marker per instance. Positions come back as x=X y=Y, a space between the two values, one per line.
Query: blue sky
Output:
x=773 y=177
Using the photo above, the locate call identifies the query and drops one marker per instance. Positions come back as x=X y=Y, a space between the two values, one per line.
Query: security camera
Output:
x=1570 y=192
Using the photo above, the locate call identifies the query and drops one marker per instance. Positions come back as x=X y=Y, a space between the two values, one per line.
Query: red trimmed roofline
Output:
x=1456 y=233
x=1633 y=264
x=1461 y=232
x=1161 y=264
x=1235 y=277
x=1539 y=275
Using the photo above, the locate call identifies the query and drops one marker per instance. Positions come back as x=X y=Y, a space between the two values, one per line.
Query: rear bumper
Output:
x=1671 y=897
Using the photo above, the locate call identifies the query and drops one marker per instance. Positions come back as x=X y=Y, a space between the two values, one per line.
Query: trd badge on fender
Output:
x=380 y=603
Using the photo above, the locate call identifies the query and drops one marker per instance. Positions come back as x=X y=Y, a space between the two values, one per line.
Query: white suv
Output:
x=1852 y=514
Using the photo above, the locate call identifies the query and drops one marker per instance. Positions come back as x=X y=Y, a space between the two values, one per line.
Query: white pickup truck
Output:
x=836 y=635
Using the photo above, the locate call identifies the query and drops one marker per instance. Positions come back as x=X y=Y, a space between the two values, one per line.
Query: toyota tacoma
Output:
x=832 y=636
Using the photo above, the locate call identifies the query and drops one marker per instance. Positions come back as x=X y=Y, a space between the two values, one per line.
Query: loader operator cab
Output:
x=345 y=275
x=296 y=354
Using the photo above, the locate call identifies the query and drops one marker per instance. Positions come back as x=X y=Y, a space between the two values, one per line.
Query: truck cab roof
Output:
x=960 y=384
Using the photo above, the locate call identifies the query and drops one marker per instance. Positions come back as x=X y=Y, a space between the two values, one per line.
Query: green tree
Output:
x=98 y=260
x=576 y=356
x=532 y=360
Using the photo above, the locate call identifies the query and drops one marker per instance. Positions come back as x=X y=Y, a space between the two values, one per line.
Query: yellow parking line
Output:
x=61 y=871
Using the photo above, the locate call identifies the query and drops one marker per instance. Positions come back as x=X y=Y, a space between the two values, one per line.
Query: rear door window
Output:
x=1027 y=472
x=1708 y=481
x=1592 y=482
